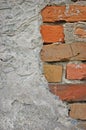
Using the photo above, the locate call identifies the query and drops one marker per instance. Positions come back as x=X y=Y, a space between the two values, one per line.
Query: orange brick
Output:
x=64 y=52
x=57 y=13
x=78 y=111
x=53 y=13
x=53 y=73
x=76 y=71
x=80 y=32
x=69 y=92
x=51 y=33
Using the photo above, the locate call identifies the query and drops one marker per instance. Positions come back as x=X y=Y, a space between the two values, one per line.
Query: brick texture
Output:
x=53 y=13
x=79 y=51
x=76 y=71
x=64 y=52
x=65 y=59
x=80 y=32
x=57 y=13
x=56 y=52
x=78 y=111
x=69 y=92
x=53 y=73
x=51 y=33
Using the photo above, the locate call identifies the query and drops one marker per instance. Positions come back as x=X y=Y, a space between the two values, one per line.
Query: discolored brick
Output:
x=79 y=51
x=53 y=73
x=64 y=52
x=56 y=52
x=78 y=111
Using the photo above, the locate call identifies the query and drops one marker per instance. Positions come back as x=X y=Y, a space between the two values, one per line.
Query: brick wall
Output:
x=64 y=54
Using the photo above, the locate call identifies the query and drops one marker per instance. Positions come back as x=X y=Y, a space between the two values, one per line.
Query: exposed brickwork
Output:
x=69 y=92
x=53 y=73
x=52 y=33
x=65 y=27
x=71 y=14
x=78 y=111
x=76 y=71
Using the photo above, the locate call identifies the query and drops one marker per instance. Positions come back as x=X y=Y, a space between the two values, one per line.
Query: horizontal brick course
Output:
x=69 y=92
x=57 y=13
x=78 y=111
x=51 y=33
x=56 y=52
x=53 y=73
x=63 y=52
x=52 y=13
x=76 y=71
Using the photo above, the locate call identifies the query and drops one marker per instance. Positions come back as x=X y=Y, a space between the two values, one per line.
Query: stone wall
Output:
x=25 y=101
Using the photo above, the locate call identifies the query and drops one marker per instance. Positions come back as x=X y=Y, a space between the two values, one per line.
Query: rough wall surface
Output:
x=25 y=102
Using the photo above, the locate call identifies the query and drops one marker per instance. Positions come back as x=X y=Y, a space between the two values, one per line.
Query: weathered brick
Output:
x=81 y=32
x=56 y=52
x=63 y=52
x=69 y=92
x=57 y=13
x=79 y=51
x=53 y=13
x=78 y=111
x=53 y=73
x=76 y=71
x=51 y=33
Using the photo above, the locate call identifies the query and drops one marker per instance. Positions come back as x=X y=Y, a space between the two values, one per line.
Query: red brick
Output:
x=64 y=52
x=51 y=33
x=80 y=32
x=53 y=73
x=76 y=71
x=57 y=13
x=78 y=111
x=69 y=92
